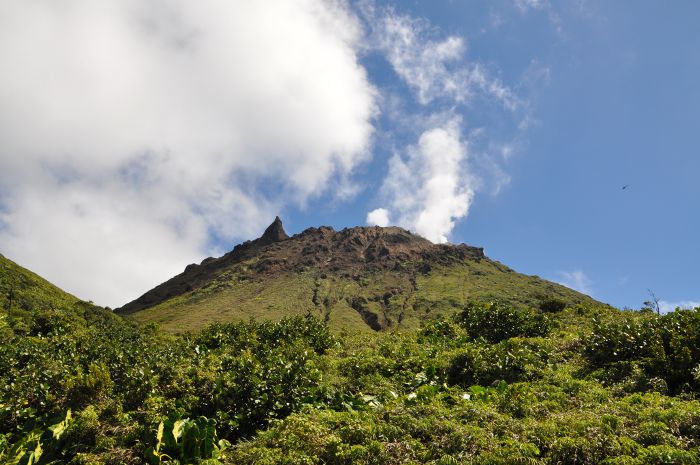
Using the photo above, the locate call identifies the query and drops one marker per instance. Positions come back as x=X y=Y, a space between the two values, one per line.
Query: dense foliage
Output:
x=662 y=349
x=497 y=321
x=494 y=385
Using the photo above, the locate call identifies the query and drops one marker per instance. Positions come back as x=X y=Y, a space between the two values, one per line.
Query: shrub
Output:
x=511 y=360
x=625 y=338
x=680 y=332
x=239 y=336
x=290 y=392
x=439 y=331
x=655 y=455
x=496 y=321
x=246 y=384
x=666 y=348
x=95 y=385
x=552 y=305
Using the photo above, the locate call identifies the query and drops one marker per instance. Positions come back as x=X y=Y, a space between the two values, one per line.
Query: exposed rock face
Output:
x=274 y=233
x=372 y=249
x=350 y=252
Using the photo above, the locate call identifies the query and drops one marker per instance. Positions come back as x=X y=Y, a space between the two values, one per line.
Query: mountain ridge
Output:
x=366 y=276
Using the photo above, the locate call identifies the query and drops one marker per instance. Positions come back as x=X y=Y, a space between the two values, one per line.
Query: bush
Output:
x=666 y=348
x=439 y=331
x=680 y=332
x=248 y=390
x=655 y=455
x=552 y=305
x=237 y=337
x=94 y=386
x=625 y=338
x=512 y=360
x=496 y=321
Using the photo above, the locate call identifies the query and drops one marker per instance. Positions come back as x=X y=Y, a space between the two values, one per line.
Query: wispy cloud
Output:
x=526 y=5
x=576 y=280
x=434 y=67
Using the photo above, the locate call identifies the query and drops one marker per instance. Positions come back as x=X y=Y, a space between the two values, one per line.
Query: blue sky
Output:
x=136 y=138
x=620 y=107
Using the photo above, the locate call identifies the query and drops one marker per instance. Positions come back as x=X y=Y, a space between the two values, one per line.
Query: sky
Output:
x=138 y=137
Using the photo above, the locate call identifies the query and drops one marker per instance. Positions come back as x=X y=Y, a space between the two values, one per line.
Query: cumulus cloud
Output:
x=131 y=132
x=428 y=187
x=378 y=217
x=666 y=306
x=576 y=280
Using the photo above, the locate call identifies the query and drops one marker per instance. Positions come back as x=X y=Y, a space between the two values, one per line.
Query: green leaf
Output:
x=152 y=456
x=59 y=428
x=191 y=438
x=35 y=455
x=208 y=441
x=159 y=436
x=177 y=429
x=223 y=445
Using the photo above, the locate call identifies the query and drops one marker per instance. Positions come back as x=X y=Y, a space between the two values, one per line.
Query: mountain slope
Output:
x=366 y=278
x=23 y=289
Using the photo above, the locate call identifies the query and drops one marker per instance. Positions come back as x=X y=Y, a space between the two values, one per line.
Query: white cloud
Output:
x=131 y=131
x=433 y=68
x=101 y=242
x=378 y=217
x=576 y=280
x=428 y=188
x=525 y=5
x=666 y=306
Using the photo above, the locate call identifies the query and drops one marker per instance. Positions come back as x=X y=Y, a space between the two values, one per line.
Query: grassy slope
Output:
x=28 y=290
x=399 y=300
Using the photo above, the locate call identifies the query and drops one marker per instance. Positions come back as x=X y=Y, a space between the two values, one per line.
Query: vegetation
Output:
x=485 y=383
x=394 y=300
x=21 y=289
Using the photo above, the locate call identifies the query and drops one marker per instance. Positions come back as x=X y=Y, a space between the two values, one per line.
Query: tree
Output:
x=653 y=304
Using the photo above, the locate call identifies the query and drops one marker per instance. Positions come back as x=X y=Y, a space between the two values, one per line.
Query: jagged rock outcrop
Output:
x=274 y=233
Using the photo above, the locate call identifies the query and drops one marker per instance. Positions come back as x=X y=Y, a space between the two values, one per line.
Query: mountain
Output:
x=367 y=278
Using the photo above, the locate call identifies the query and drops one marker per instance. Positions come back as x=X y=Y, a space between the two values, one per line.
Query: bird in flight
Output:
x=625 y=186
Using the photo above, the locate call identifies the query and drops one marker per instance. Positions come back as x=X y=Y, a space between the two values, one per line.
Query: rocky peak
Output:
x=350 y=252
x=274 y=233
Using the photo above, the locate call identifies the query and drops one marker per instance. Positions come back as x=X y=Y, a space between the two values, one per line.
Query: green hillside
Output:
x=359 y=279
x=24 y=290
x=385 y=300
